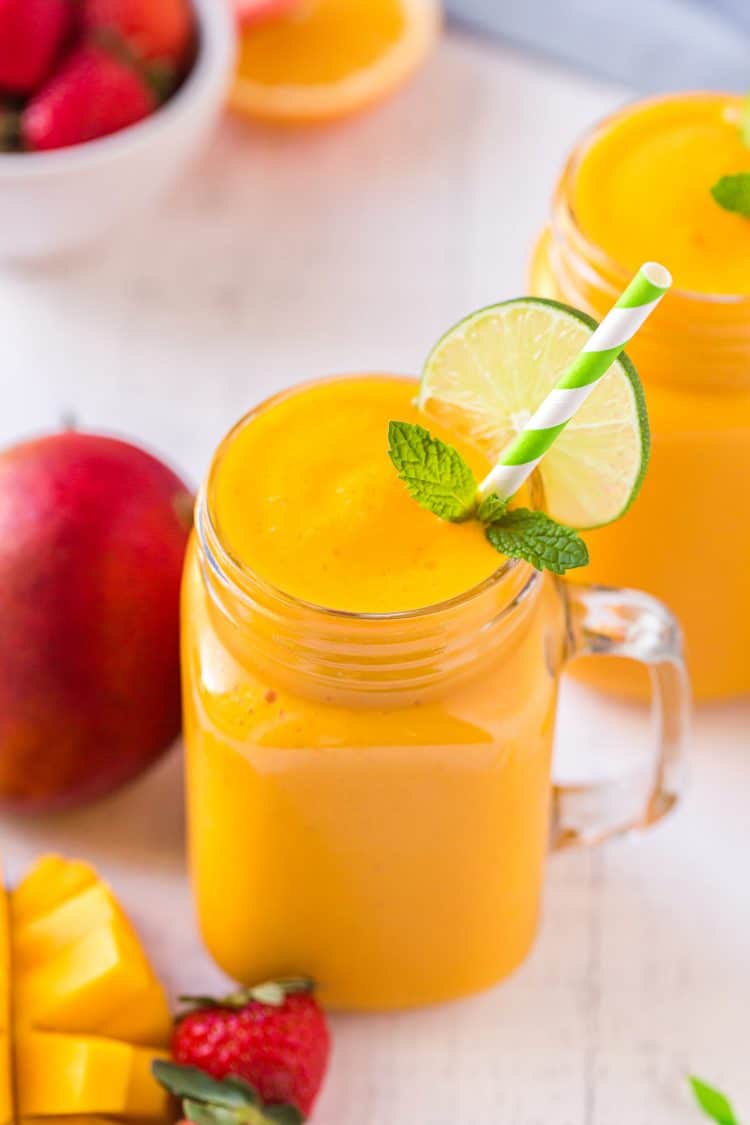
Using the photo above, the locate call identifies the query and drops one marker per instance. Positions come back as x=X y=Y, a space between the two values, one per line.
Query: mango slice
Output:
x=50 y=882
x=85 y=985
x=43 y=936
x=57 y=1075
x=145 y=1020
x=145 y=1098
x=6 y=1077
x=60 y=1074
x=71 y=1119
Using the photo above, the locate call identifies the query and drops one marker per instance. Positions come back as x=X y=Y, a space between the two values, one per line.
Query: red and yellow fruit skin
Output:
x=32 y=34
x=92 y=537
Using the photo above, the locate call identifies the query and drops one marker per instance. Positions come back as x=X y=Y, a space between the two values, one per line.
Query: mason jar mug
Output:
x=369 y=795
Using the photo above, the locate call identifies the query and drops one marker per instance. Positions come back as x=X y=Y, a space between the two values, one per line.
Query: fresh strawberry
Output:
x=158 y=31
x=31 y=35
x=92 y=94
x=250 y=12
x=274 y=1037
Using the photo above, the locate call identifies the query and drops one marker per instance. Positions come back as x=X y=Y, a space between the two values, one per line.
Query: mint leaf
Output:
x=435 y=474
x=733 y=193
x=492 y=508
x=533 y=536
x=712 y=1102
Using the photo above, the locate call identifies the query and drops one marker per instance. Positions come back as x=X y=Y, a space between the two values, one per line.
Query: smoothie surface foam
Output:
x=305 y=495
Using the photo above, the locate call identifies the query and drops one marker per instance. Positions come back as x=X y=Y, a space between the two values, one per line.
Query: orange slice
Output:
x=254 y=11
x=326 y=59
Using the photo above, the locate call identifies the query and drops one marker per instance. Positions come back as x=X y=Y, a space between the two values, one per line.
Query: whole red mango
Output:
x=92 y=537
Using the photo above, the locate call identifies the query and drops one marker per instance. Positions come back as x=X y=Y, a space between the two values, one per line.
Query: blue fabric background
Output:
x=647 y=44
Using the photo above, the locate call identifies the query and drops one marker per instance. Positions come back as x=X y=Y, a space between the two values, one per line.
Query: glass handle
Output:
x=608 y=622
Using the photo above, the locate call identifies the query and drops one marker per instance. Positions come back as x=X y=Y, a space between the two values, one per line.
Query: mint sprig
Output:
x=440 y=480
x=733 y=193
x=713 y=1103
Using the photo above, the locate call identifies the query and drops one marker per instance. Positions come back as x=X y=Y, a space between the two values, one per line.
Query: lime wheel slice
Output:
x=488 y=374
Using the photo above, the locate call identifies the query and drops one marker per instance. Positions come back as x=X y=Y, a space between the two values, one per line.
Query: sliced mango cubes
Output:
x=59 y=1075
x=82 y=1013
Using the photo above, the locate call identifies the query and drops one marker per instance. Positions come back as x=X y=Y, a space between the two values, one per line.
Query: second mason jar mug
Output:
x=370 y=796
x=687 y=537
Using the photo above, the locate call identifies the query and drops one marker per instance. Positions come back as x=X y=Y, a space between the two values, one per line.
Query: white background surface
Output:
x=286 y=257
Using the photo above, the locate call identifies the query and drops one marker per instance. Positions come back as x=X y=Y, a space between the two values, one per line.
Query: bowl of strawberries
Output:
x=102 y=104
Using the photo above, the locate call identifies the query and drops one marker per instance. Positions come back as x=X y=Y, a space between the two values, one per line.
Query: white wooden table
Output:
x=286 y=257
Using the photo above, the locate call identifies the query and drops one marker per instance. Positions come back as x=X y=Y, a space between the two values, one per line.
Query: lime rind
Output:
x=492 y=369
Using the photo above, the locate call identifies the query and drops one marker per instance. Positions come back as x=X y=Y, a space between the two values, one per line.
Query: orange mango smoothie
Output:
x=643 y=191
x=369 y=702
x=638 y=188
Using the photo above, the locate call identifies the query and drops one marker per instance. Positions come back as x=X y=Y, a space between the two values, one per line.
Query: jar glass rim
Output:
x=248 y=583
x=564 y=192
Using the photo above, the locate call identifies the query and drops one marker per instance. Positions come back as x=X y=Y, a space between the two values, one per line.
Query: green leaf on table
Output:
x=733 y=193
x=713 y=1102
x=435 y=474
x=540 y=540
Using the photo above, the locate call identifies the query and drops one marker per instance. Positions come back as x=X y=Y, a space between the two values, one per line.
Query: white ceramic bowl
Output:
x=53 y=202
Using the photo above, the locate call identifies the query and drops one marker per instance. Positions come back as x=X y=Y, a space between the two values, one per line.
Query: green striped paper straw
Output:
x=618 y=327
